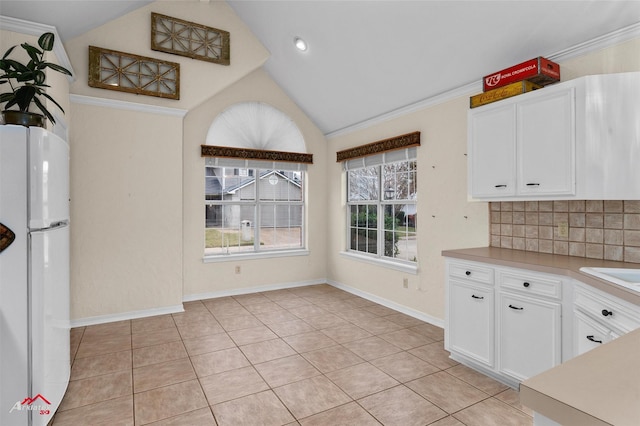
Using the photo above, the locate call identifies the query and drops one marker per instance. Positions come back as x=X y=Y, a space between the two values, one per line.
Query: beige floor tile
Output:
x=353 y=315
x=406 y=339
x=201 y=417
x=290 y=328
x=194 y=306
x=404 y=320
x=275 y=317
x=332 y=358
x=262 y=408
x=143 y=325
x=307 y=342
x=266 y=351
x=96 y=389
x=276 y=295
x=402 y=407
x=206 y=344
x=168 y=401
x=75 y=335
x=117 y=411
x=155 y=337
x=292 y=302
x=435 y=354
x=219 y=361
x=492 y=412
x=346 y=333
x=163 y=374
x=311 y=396
x=238 y=322
x=119 y=328
x=431 y=331
x=104 y=345
x=101 y=364
x=447 y=392
x=264 y=307
x=251 y=299
x=480 y=381
x=512 y=397
x=158 y=353
x=377 y=325
x=347 y=415
x=371 y=348
x=308 y=311
x=252 y=335
x=232 y=384
x=404 y=367
x=380 y=310
x=282 y=371
x=326 y=321
x=361 y=380
x=448 y=421
x=199 y=329
x=227 y=310
x=192 y=317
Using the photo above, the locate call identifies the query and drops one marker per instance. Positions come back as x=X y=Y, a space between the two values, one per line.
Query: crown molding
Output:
x=610 y=39
x=128 y=106
x=32 y=28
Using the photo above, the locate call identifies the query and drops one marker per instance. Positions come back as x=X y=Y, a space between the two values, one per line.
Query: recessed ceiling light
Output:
x=300 y=44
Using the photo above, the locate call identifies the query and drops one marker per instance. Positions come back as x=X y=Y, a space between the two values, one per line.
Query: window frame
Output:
x=380 y=202
x=259 y=171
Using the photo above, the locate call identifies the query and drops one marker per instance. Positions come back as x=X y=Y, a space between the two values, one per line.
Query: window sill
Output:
x=213 y=258
x=402 y=267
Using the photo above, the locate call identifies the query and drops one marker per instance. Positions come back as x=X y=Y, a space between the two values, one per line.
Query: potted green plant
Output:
x=27 y=84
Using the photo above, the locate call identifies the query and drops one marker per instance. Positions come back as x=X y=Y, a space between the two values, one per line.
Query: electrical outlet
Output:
x=237 y=269
x=405 y=282
x=563 y=229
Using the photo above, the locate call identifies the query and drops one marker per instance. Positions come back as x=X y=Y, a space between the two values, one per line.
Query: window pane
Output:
x=280 y=226
x=363 y=184
x=280 y=185
x=229 y=229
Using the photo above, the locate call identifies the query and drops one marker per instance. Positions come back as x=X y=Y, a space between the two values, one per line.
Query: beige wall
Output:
x=206 y=278
x=447 y=220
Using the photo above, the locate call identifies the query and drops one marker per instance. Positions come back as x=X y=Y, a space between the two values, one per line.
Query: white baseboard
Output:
x=123 y=316
x=389 y=304
x=249 y=290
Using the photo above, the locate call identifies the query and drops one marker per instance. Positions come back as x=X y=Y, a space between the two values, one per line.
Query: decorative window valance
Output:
x=255 y=154
x=379 y=147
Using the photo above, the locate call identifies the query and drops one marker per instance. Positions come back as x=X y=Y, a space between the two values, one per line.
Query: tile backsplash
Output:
x=596 y=229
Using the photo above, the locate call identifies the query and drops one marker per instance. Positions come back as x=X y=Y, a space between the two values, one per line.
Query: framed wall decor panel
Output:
x=126 y=72
x=184 y=38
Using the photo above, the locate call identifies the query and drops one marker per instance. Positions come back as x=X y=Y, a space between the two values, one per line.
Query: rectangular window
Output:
x=382 y=198
x=253 y=210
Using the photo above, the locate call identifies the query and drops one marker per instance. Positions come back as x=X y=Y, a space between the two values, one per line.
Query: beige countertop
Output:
x=552 y=264
x=600 y=387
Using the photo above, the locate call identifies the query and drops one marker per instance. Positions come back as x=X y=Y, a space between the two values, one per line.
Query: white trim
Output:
x=32 y=28
x=128 y=106
x=389 y=304
x=250 y=290
x=615 y=37
x=102 y=319
x=402 y=267
x=214 y=258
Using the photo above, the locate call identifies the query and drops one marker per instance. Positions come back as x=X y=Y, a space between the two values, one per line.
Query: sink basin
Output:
x=628 y=278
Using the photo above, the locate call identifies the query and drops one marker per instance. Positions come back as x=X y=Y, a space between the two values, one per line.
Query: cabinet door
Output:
x=471 y=321
x=587 y=333
x=530 y=336
x=546 y=147
x=492 y=152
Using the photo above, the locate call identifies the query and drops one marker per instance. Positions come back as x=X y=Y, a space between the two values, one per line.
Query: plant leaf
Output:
x=16 y=65
x=52 y=100
x=56 y=67
x=24 y=96
x=6 y=97
x=46 y=41
x=8 y=52
x=44 y=110
x=32 y=51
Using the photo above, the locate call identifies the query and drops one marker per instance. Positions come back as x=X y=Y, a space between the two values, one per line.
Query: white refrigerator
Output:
x=34 y=274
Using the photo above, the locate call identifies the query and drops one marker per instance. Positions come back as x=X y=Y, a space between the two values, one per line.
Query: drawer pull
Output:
x=593 y=339
x=526 y=284
x=467 y=273
x=606 y=313
x=516 y=308
x=533 y=184
x=477 y=297
x=501 y=186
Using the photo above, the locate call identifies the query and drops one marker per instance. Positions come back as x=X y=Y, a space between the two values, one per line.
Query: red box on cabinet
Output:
x=539 y=71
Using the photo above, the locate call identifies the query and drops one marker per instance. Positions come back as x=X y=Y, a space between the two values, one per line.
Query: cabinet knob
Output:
x=468 y=273
x=606 y=313
x=526 y=284
x=533 y=184
x=592 y=338
x=477 y=297
x=516 y=308
x=501 y=186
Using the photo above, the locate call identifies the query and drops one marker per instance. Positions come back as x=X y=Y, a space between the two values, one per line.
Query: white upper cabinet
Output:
x=574 y=140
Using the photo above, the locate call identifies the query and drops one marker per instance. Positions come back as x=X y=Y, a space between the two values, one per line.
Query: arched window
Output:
x=254 y=183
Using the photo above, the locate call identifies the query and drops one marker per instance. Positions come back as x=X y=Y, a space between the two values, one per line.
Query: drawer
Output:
x=607 y=309
x=531 y=284
x=471 y=271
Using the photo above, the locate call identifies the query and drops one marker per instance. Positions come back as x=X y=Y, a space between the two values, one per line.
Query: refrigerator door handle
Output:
x=7 y=236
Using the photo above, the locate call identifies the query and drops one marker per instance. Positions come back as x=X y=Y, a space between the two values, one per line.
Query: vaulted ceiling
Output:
x=369 y=59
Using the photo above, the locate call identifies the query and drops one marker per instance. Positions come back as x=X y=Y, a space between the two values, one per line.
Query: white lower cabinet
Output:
x=529 y=335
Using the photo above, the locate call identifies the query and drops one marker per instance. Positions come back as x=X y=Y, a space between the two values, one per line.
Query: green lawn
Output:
x=214 y=239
